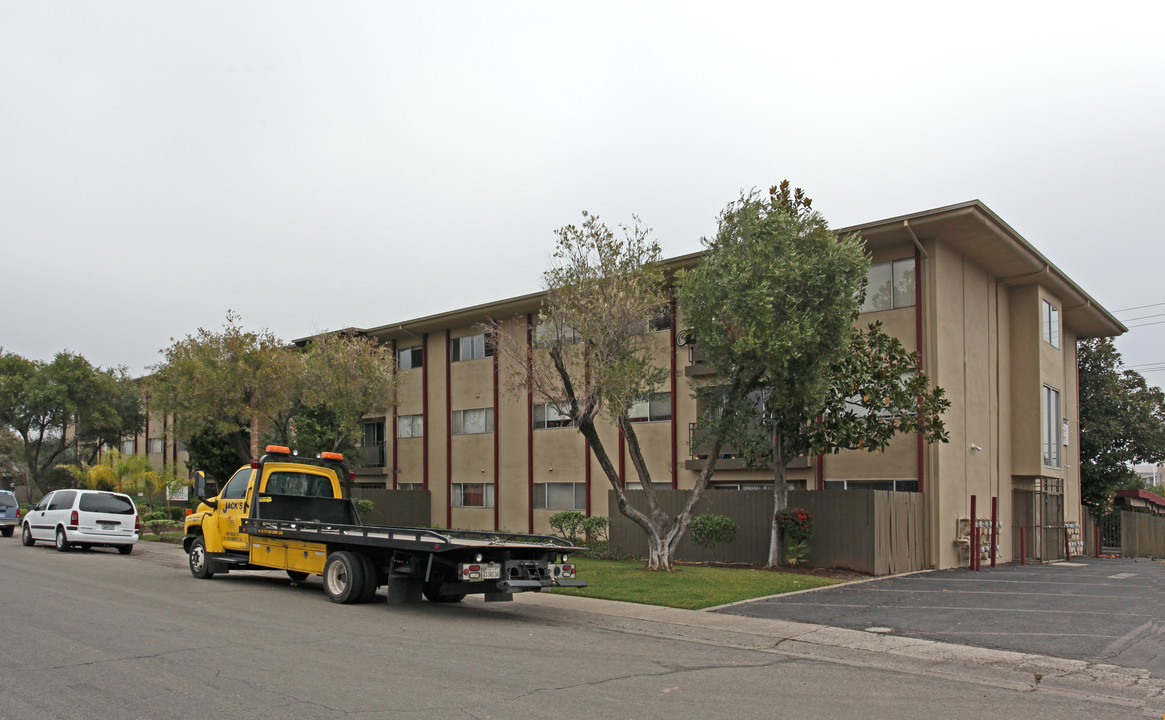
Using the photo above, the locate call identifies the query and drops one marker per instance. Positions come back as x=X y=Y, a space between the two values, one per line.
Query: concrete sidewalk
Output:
x=1122 y=686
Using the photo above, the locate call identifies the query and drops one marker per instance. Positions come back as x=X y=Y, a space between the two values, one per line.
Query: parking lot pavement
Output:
x=1107 y=610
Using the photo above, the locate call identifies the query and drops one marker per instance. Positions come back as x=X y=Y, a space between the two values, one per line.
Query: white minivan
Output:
x=84 y=518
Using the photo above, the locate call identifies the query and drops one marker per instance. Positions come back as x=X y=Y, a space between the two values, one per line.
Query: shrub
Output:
x=797 y=527
x=364 y=506
x=711 y=530
x=569 y=525
x=595 y=528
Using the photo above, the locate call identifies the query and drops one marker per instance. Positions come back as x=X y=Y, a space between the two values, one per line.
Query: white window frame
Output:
x=159 y=443
x=651 y=409
x=470 y=347
x=1050 y=323
x=549 y=416
x=891 y=276
x=128 y=447
x=409 y=352
x=457 y=495
x=1050 y=424
x=410 y=426
x=457 y=421
x=545 y=334
x=546 y=493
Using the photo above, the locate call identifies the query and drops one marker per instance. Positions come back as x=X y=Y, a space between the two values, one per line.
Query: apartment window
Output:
x=472 y=422
x=410 y=426
x=128 y=447
x=560 y=496
x=373 y=445
x=742 y=486
x=639 y=486
x=410 y=357
x=1051 y=427
x=656 y=408
x=479 y=495
x=660 y=320
x=181 y=447
x=551 y=415
x=896 y=485
x=890 y=286
x=410 y=486
x=156 y=446
x=547 y=333
x=470 y=347
x=1050 y=323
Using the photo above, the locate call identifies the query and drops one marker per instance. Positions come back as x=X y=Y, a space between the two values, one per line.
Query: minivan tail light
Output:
x=73 y=518
x=137 y=525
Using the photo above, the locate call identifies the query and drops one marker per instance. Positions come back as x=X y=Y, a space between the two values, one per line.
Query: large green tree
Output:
x=594 y=353
x=221 y=381
x=1122 y=422
x=235 y=385
x=65 y=410
x=772 y=306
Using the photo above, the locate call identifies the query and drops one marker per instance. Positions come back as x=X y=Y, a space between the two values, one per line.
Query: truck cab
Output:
x=282 y=484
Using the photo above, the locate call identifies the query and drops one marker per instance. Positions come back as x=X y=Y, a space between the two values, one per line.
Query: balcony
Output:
x=369 y=457
x=729 y=457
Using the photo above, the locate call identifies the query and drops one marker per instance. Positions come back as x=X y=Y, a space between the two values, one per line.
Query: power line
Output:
x=1143 y=317
x=1159 y=322
x=1139 y=307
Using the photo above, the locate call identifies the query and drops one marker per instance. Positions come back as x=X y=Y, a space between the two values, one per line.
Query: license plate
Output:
x=108 y=526
x=491 y=573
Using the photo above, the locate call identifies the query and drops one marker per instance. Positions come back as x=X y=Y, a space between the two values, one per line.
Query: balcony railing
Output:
x=370 y=456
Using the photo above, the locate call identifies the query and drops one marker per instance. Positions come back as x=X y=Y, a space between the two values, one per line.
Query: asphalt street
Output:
x=96 y=635
x=1095 y=609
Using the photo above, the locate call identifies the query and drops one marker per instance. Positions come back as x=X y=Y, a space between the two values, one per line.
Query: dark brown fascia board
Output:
x=1095 y=320
x=1087 y=317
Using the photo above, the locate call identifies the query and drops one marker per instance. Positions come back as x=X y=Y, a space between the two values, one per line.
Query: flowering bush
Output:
x=796 y=524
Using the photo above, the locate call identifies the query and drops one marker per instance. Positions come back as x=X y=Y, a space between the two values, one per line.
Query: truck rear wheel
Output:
x=344 y=577
x=369 y=590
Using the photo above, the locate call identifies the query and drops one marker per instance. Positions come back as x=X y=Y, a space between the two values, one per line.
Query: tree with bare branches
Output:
x=592 y=353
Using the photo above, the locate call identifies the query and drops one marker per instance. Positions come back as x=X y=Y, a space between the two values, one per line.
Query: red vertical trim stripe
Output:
x=448 y=432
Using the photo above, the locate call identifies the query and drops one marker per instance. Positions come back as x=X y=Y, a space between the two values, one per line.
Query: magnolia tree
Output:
x=1122 y=422
x=593 y=354
x=773 y=307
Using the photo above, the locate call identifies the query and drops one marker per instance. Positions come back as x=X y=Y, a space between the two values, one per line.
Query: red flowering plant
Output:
x=797 y=527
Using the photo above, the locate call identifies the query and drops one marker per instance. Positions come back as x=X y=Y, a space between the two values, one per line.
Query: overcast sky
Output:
x=314 y=166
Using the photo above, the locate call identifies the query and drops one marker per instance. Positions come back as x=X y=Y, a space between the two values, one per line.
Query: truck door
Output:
x=234 y=503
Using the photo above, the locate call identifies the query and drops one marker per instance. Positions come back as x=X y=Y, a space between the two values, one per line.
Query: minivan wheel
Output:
x=7 y=532
x=26 y=537
x=62 y=541
x=125 y=549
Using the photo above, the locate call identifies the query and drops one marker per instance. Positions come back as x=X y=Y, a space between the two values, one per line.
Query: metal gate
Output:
x=1039 y=520
x=1110 y=534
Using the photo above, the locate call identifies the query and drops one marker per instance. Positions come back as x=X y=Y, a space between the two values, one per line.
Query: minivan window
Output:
x=107 y=503
x=44 y=502
x=7 y=501
x=237 y=487
x=62 y=500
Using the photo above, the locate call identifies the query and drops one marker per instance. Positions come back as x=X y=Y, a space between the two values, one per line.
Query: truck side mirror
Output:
x=200 y=485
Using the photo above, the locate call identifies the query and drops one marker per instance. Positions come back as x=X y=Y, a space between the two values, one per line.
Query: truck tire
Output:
x=199 y=562
x=369 y=590
x=344 y=577
x=432 y=591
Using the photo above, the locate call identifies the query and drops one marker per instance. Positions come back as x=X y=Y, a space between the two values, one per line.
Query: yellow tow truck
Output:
x=291 y=513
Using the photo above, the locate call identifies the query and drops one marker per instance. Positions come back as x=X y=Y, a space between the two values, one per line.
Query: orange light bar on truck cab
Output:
x=278 y=449
x=331 y=456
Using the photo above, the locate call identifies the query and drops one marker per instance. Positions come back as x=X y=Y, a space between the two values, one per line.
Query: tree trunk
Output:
x=780 y=499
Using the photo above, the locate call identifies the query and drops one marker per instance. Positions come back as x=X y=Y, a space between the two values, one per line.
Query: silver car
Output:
x=9 y=513
x=86 y=518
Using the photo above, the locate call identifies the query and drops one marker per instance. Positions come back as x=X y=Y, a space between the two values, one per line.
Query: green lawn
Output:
x=691 y=587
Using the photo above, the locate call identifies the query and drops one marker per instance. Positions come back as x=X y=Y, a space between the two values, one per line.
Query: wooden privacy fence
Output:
x=408 y=508
x=873 y=531
x=1131 y=534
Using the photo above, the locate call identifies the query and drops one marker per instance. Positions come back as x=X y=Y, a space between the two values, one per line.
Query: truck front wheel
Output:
x=199 y=563
x=344 y=577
